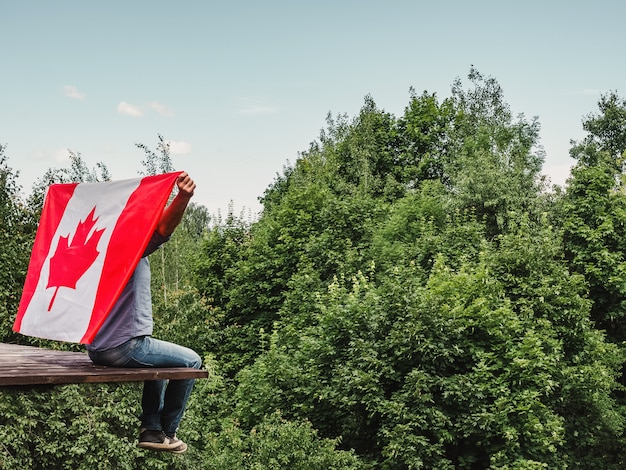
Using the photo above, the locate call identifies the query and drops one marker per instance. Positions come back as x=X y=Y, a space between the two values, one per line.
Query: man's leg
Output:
x=152 y=404
x=168 y=401
x=174 y=404
x=136 y=353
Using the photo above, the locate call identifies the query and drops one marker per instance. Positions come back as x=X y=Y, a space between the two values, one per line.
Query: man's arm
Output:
x=173 y=214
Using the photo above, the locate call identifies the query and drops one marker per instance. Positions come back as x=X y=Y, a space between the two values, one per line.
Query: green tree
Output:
x=17 y=232
x=76 y=172
x=312 y=225
x=365 y=157
x=594 y=218
x=157 y=163
x=170 y=265
x=593 y=214
x=276 y=444
x=606 y=131
x=425 y=132
x=425 y=315
x=494 y=164
x=484 y=360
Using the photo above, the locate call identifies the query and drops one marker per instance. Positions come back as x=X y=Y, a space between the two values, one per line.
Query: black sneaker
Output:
x=157 y=440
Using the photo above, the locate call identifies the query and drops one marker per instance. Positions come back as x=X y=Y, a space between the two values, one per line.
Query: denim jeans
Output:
x=163 y=401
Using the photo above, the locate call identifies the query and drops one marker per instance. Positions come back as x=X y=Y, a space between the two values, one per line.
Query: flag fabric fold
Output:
x=88 y=243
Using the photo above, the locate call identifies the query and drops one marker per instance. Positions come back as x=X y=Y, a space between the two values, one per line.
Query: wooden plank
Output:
x=28 y=365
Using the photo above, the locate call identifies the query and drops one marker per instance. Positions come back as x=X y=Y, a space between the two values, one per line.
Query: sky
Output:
x=240 y=88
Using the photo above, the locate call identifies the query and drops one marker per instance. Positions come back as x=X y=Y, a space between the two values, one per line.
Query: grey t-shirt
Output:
x=131 y=315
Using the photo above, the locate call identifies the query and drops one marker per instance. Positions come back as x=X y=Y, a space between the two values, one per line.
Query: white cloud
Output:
x=72 y=92
x=160 y=109
x=129 y=109
x=256 y=106
x=179 y=148
x=138 y=111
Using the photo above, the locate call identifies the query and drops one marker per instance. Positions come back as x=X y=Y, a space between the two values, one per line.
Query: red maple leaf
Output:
x=71 y=261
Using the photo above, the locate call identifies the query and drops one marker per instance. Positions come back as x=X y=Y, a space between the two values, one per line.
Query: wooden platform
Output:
x=27 y=365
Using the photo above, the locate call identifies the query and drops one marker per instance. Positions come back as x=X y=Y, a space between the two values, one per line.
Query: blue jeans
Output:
x=163 y=401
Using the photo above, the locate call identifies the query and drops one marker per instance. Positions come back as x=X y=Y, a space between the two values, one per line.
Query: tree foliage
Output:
x=169 y=265
x=17 y=231
x=411 y=297
x=594 y=214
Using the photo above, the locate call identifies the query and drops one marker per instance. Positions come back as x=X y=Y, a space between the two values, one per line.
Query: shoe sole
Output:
x=157 y=446
x=178 y=450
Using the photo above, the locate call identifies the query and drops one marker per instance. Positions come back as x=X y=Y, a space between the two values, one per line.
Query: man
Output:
x=125 y=340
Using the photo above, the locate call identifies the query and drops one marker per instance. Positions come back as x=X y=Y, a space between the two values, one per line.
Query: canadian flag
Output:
x=88 y=243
